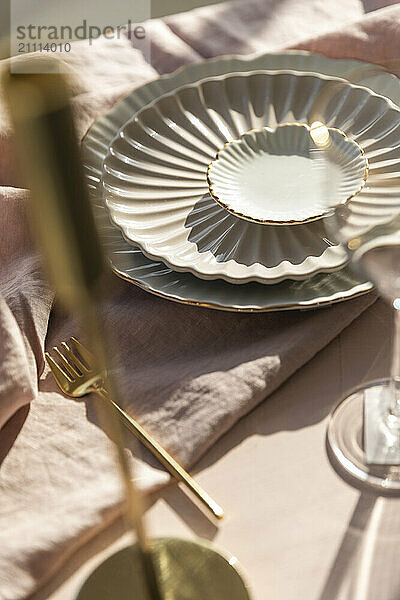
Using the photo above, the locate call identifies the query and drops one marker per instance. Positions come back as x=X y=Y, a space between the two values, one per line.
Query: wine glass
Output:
x=364 y=428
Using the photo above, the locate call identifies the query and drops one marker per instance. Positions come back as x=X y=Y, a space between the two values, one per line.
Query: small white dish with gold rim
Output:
x=269 y=176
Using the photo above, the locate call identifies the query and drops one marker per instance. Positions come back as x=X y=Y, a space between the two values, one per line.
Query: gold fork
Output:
x=74 y=375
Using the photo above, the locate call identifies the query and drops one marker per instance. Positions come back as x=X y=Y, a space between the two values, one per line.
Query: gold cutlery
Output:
x=73 y=370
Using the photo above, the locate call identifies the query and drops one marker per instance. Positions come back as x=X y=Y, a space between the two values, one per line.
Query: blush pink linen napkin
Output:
x=192 y=373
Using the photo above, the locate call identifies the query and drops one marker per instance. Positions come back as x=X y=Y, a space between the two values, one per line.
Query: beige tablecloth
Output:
x=297 y=528
x=193 y=373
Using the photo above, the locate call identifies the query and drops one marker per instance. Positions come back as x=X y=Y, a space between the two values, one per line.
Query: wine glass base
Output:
x=356 y=425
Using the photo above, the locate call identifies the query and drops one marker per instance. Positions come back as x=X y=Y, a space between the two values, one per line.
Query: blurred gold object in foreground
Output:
x=46 y=142
x=39 y=105
x=50 y=159
x=186 y=571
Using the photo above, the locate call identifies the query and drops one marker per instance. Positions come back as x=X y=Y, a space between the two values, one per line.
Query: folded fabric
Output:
x=189 y=373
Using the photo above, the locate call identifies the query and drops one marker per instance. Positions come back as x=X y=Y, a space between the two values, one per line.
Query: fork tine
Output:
x=67 y=367
x=61 y=378
x=76 y=361
x=83 y=351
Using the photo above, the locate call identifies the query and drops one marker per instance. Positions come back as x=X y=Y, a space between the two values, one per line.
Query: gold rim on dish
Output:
x=273 y=308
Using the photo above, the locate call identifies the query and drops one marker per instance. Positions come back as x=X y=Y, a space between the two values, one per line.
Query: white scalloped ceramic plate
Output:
x=153 y=276
x=155 y=184
x=268 y=175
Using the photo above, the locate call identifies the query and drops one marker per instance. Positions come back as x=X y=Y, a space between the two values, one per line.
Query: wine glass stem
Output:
x=395 y=370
